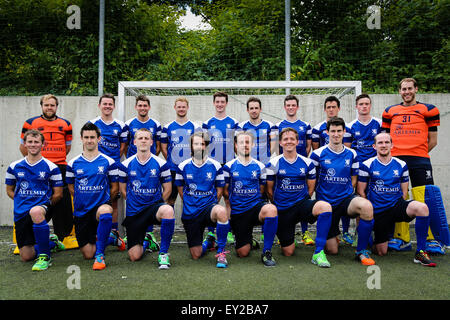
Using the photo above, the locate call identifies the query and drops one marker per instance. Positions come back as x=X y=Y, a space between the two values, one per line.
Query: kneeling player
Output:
x=200 y=184
x=34 y=183
x=245 y=180
x=141 y=178
x=337 y=167
x=92 y=181
x=388 y=179
x=290 y=183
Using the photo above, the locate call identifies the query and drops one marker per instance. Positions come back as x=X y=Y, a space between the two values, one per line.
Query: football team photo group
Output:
x=299 y=183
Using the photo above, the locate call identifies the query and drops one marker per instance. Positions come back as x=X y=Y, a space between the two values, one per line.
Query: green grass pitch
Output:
x=294 y=278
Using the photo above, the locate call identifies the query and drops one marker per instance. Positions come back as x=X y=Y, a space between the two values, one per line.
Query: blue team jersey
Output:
x=244 y=184
x=143 y=182
x=262 y=133
x=384 y=181
x=34 y=184
x=304 y=133
x=177 y=136
x=363 y=137
x=289 y=178
x=221 y=131
x=133 y=125
x=320 y=135
x=112 y=135
x=334 y=172
x=92 y=181
x=199 y=185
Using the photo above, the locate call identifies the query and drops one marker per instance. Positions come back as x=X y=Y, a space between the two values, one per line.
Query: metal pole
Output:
x=101 y=38
x=287 y=18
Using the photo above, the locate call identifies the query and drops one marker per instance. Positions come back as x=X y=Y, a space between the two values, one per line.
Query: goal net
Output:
x=311 y=95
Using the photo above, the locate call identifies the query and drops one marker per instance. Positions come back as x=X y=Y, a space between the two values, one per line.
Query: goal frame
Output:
x=124 y=85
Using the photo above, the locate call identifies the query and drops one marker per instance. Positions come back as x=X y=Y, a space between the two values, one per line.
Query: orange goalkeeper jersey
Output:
x=409 y=127
x=57 y=134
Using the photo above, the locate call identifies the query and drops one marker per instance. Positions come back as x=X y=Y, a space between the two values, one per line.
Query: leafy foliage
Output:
x=145 y=41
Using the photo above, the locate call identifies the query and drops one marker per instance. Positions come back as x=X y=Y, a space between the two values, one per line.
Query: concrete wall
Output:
x=78 y=110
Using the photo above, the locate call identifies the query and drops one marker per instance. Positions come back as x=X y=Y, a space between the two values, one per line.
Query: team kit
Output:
x=231 y=176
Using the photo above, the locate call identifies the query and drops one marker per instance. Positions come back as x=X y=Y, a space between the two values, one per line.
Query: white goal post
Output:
x=310 y=93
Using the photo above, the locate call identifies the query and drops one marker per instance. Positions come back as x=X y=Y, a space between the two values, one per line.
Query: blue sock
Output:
x=167 y=228
x=51 y=245
x=211 y=229
x=150 y=228
x=115 y=225
x=364 y=231
x=103 y=231
x=304 y=226
x=345 y=223
x=421 y=227
x=145 y=245
x=323 y=226
x=270 y=229
x=222 y=232
x=41 y=235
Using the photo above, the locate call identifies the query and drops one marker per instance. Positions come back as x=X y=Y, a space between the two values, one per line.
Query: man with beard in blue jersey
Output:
x=175 y=141
x=35 y=184
x=92 y=179
x=141 y=178
x=386 y=180
x=337 y=170
x=200 y=183
x=291 y=107
x=245 y=181
x=290 y=183
x=112 y=142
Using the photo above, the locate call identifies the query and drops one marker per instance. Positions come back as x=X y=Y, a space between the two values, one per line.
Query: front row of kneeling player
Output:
x=288 y=182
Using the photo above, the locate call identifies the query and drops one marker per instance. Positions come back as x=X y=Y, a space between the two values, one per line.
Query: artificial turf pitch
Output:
x=294 y=278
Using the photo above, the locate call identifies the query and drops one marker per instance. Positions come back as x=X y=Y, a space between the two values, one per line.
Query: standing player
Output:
x=58 y=138
x=364 y=129
x=304 y=131
x=142 y=120
x=35 y=184
x=145 y=182
x=175 y=141
x=262 y=130
x=92 y=179
x=245 y=181
x=320 y=138
x=221 y=129
x=337 y=168
x=290 y=183
x=387 y=180
x=200 y=183
x=413 y=128
x=112 y=141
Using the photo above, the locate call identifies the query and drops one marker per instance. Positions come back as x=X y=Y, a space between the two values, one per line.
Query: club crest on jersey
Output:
x=254 y=174
x=101 y=169
x=42 y=175
x=374 y=132
x=153 y=172
x=331 y=172
x=395 y=173
x=209 y=175
x=347 y=162
x=115 y=131
x=302 y=171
